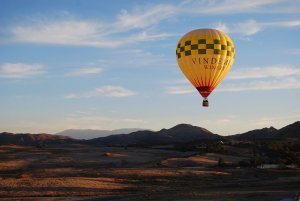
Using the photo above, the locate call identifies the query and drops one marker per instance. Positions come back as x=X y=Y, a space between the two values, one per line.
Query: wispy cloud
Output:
x=20 y=70
x=230 y=6
x=264 y=72
x=287 y=23
x=66 y=32
x=251 y=26
x=143 y=18
x=141 y=58
x=246 y=28
x=222 y=27
x=85 y=71
x=256 y=78
x=113 y=91
x=137 y=25
x=180 y=90
x=287 y=83
x=79 y=33
x=126 y=29
x=263 y=78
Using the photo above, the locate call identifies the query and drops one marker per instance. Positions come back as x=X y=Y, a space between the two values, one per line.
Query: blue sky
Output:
x=111 y=64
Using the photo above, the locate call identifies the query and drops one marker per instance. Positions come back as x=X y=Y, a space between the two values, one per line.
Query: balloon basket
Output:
x=205 y=103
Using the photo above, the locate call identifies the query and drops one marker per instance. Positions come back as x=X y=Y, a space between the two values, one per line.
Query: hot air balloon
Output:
x=205 y=56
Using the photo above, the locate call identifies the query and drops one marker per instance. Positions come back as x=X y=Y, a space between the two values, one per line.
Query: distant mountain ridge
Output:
x=86 y=134
x=182 y=133
x=34 y=139
x=289 y=131
x=264 y=133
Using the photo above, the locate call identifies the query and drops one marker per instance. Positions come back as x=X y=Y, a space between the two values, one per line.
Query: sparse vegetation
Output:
x=221 y=162
x=284 y=152
x=130 y=174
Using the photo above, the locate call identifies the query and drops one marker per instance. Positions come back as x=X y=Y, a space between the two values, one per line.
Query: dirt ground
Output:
x=82 y=172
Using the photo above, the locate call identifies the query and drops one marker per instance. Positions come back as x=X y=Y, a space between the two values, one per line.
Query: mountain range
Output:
x=179 y=134
x=33 y=139
x=86 y=134
x=289 y=131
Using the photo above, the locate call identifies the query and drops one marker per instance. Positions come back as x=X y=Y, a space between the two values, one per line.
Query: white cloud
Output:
x=229 y=6
x=251 y=27
x=222 y=27
x=67 y=32
x=246 y=28
x=137 y=25
x=143 y=18
x=127 y=28
x=80 y=33
x=263 y=72
x=141 y=58
x=257 y=78
x=282 y=77
x=180 y=90
x=85 y=71
x=113 y=91
x=287 y=83
x=288 y=23
x=20 y=70
x=60 y=32
x=225 y=120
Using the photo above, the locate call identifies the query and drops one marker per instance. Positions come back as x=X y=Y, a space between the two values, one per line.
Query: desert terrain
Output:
x=85 y=172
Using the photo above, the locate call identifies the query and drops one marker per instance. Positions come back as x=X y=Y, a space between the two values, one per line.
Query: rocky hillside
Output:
x=289 y=131
x=33 y=139
x=181 y=133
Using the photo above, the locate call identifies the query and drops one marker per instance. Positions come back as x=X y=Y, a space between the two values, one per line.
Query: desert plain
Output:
x=86 y=172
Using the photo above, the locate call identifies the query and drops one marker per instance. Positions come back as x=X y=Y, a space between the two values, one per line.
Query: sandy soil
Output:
x=206 y=159
x=78 y=172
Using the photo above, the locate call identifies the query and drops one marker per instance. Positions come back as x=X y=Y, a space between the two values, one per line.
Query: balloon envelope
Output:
x=205 y=56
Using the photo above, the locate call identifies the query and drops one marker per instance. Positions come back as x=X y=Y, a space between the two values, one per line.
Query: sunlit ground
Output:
x=78 y=172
